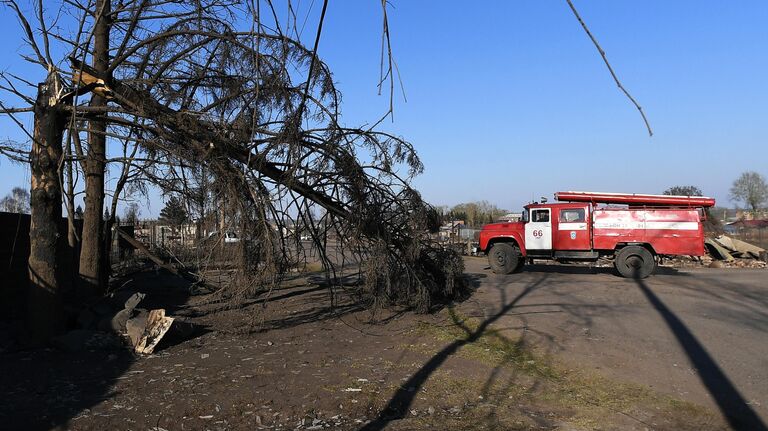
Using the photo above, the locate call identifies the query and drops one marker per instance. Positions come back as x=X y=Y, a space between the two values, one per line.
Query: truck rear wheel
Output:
x=635 y=262
x=504 y=258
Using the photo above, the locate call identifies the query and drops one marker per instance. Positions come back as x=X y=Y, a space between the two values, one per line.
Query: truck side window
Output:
x=572 y=215
x=540 y=216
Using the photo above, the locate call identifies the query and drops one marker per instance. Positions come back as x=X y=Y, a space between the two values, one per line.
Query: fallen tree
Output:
x=259 y=111
x=207 y=93
x=386 y=222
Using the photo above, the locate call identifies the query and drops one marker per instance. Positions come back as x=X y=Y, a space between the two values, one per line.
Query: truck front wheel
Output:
x=635 y=262
x=504 y=258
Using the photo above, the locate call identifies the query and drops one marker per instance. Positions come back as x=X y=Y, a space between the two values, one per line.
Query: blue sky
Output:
x=509 y=100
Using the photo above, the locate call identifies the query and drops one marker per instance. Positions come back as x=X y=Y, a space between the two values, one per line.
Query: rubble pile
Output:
x=686 y=261
x=733 y=253
x=722 y=252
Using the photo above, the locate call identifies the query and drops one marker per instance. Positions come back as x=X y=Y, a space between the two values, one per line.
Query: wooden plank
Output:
x=139 y=246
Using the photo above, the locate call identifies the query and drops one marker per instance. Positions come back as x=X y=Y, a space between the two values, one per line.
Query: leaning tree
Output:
x=220 y=84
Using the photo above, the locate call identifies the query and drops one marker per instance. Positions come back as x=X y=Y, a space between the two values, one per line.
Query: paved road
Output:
x=698 y=334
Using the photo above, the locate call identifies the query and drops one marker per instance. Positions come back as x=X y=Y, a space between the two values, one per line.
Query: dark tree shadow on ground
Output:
x=315 y=314
x=516 y=368
x=197 y=311
x=311 y=286
x=399 y=405
x=46 y=388
x=731 y=403
x=324 y=301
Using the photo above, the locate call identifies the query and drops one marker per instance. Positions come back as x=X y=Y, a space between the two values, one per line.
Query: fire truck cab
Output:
x=633 y=229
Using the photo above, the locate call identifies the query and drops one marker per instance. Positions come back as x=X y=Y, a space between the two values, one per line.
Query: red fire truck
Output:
x=634 y=229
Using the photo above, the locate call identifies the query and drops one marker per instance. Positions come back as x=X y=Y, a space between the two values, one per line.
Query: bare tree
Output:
x=49 y=107
x=46 y=245
x=17 y=201
x=751 y=189
x=132 y=213
x=93 y=254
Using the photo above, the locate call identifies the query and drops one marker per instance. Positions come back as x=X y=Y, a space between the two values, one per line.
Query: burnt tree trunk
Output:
x=93 y=268
x=46 y=239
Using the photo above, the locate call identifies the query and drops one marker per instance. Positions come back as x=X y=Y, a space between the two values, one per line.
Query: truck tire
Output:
x=635 y=262
x=520 y=262
x=504 y=258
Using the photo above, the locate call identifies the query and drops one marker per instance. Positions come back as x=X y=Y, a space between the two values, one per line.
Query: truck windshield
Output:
x=525 y=215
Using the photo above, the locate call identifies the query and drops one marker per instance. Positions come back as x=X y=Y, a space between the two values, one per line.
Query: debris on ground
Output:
x=709 y=261
x=717 y=251
x=733 y=253
x=115 y=321
x=738 y=248
x=147 y=329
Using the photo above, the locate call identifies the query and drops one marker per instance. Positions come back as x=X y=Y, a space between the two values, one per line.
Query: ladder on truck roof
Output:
x=636 y=199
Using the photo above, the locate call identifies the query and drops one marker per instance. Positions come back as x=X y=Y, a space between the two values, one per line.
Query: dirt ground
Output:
x=550 y=348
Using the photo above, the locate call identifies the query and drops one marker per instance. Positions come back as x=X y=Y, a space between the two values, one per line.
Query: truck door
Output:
x=538 y=230
x=572 y=230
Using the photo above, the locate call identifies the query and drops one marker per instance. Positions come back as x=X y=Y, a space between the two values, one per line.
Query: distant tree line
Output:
x=474 y=214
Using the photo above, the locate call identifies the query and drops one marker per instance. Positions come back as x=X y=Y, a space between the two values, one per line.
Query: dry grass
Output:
x=527 y=379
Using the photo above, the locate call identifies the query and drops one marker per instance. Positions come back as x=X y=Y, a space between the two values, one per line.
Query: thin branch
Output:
x=610 y=69
x=314 y=57
x=27 y=30
x=44 y=32
x=8 y=111
x=16 y=110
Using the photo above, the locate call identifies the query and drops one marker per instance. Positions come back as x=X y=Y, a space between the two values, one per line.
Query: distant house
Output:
x=450 y=229
x=511 y=217
x=158 y=233
x=748 y=215
x=748 y=224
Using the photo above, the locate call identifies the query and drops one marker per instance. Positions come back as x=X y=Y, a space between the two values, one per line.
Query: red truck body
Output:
x=643 y=228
